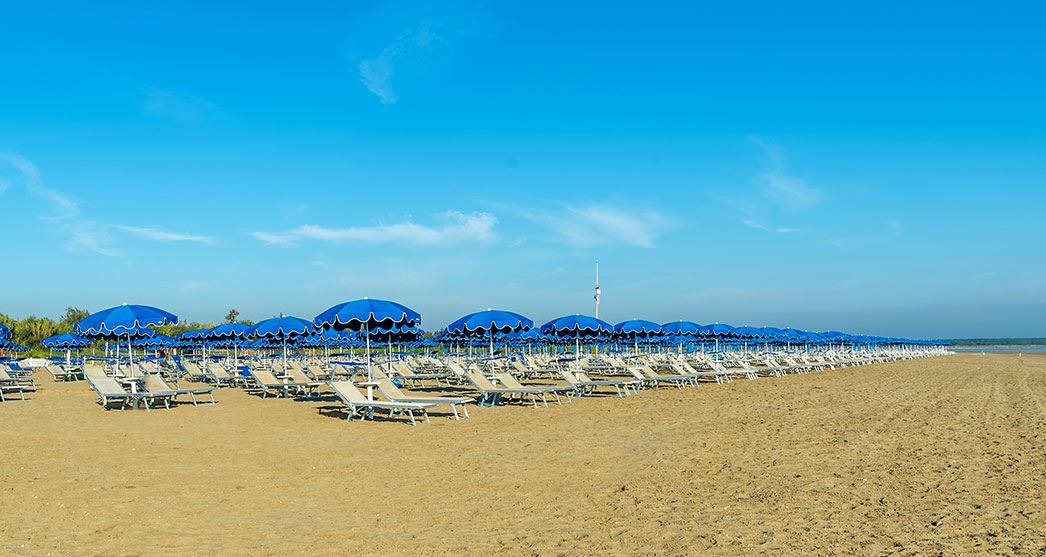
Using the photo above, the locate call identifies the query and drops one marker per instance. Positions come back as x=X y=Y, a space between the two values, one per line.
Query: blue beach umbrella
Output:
x=637 y=328
x=364 y=315
x=280 y=328
x=577 y=326
x=680 y=329
x=67 y=342
x=125 y=320
x=4 y=331
x=229 y=333
x=489 y=322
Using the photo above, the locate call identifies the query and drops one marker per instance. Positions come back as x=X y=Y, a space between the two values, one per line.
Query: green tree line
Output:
x=31 y=330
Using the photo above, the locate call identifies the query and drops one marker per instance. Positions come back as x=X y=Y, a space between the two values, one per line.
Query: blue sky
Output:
x=869 y=167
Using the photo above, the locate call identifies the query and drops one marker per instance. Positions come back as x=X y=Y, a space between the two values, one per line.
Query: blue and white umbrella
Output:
x=130 y=321
x=364 y=315
x=577 y=326
x=488 y=322
x=280 y=328
x=637 y=328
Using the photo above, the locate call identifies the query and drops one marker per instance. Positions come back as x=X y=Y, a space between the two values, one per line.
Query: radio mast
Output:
x=597 y=290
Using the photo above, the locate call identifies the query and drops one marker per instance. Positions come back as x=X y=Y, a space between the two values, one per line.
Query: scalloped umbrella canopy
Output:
x=12 y=346
x=65 y=341
x=488 y=321
x=637 y=327
x=773 y=333
x=681 y=328
x=4 y=331
x=282 y=327
x=719 y=330
x=577 y=325
x=195 y=335
x=367 y=313
x=750 y=332
x=119 y=320
x=396 y=334
x=153 y=341
x=228 y=331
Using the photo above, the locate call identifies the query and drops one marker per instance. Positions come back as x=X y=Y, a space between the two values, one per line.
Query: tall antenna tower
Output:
x=597 y=290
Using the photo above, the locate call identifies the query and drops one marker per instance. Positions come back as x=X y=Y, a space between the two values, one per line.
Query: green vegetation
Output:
x=31 y=330
x=1032 y=341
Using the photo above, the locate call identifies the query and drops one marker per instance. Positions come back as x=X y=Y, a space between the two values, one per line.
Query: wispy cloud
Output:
x=596 y=224
x=17 y=170
x=377 y=73
x=778 y=185
x=93 y=237
x=175 y=105
x=775 y=229
x=164 y=235
x=456 y=228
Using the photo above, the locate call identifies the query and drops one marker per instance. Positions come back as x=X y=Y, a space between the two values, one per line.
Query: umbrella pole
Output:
x=370 y=374
x=490 y=336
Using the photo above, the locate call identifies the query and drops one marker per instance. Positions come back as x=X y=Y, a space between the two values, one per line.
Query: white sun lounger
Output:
x=358 y=402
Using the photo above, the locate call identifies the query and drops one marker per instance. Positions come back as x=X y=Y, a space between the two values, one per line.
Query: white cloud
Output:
x=458 y=228
x=182 y=107
x=780 y=186
x=594 y=225
x=165 y=236
x=776 y=229
x=377 y=73
x=92 y=237
x=15 y=169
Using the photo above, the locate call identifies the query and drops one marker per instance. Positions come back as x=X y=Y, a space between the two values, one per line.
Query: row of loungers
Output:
x=155 y=391
x=495 y=385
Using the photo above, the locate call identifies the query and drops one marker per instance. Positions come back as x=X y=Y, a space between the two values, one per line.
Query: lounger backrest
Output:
x=105 y=385
x=348 y=392
x=456 y=369
x=403 y=369
x=3 y=374
x=94 y=371
x=509 y=381
x=569 y=377
x=265 y=377
x=389 y=389
x=298 y=375
x=156 y=384
x=481 y=381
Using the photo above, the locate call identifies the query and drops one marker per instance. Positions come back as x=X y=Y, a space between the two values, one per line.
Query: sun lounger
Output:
x=358 y=402
x=266 y=381
x=109 y=391
x=489 y=394
x=585 y=385
x=7 y=390
x=390 y=391
x=26 y=383
x=59 y=374
x=645 y=374
x=222 y=377
x=156 y=385
x=509 y=381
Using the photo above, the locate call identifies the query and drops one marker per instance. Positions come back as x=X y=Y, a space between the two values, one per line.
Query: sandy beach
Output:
x=942 y=455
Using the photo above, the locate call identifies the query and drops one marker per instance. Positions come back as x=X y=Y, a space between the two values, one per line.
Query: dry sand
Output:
x=933 y=456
